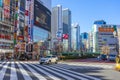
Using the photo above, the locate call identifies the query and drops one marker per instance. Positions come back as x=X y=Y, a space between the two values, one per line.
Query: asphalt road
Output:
x=32 y=70
x=103 y=71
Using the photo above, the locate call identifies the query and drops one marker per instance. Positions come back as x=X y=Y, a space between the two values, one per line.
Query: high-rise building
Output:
x=84 y=41
x=56 y=25
x=67 y=28
x=75 y=36
x=7 y=11
x=32 y=23
x=117 y=34
x=103 y=36
x=90 y=42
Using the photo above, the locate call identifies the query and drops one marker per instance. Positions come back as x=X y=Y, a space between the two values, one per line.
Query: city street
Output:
x=32 y=70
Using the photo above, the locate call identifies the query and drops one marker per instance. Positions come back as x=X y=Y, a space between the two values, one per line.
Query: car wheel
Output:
x=49 y=62
x=56 y=62
x=41 y=63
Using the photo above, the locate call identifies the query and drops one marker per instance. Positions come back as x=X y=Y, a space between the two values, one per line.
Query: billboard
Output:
x=102 y=29
x=65 y=36
x=42 y=16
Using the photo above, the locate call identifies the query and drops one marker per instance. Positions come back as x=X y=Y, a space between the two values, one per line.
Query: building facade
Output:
x=75 y=36
x=117 y=34
x=67 y=28
x=103 y=35
x=84 y=41
x=56 y=25
x=90 y=42
x=7 y=12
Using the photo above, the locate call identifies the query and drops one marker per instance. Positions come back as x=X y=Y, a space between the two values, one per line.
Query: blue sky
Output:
x=85 y=12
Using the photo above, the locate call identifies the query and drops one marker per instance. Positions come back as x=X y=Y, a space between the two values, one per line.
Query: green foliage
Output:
x=78 y=55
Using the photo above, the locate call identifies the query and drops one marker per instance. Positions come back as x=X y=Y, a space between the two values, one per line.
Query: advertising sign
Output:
x=42 y=16
x=65 y=36
x=20 y=38
x=22 y=5
x=101 y=29
x=6 y=8
x=1 y=3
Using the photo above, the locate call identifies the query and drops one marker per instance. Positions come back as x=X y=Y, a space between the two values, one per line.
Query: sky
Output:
x=85 y=12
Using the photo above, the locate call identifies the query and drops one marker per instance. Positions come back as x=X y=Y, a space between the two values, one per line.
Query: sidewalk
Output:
x=95 y=60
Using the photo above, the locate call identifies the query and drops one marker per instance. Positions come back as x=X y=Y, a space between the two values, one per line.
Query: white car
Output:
x=48 y=59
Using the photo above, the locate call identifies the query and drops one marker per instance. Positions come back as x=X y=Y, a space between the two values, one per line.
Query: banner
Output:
x=7 y=8
x=1 y=3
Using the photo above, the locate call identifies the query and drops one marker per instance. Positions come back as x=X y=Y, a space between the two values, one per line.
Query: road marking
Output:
x=40 y=77
x=2 y=64
x=79 y=77
x=64 y=76
x=80 y=74
x=13 y=75
x=24 y=73
x=48 y=74
x=2 y=72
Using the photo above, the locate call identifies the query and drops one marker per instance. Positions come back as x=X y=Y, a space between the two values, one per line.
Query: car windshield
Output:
x=48 y=56
x=112 y=55
x=54 y=56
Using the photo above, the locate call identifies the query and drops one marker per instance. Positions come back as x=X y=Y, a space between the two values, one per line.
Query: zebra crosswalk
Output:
x=18 y=70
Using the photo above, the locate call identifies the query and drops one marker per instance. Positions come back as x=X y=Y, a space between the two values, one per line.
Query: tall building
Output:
x=41 y=29
x=84 y=41
x=75 y=36
x=117 y=34
x=32 y=24
x=90 y=42
x=56 y=25
x=7 y=11
x=103 y=36
x=67 y=28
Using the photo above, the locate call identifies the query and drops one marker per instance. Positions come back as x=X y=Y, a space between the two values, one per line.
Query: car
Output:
x=102 y=57
x=49 y=59
x=112 y=57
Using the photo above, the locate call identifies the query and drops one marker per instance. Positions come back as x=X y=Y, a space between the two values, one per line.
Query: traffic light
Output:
x=29 y=47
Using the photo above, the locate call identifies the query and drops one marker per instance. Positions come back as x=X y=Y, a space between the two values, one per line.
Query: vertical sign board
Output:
x=29 y=23
x=6 y=8
x=16 y=22
x=31 y=18
x=1 y=3
x=26 y=21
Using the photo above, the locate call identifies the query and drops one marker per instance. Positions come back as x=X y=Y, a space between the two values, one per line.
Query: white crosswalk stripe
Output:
x=67 y=73
x=2 y=63
x=25 y=74
x=50 y=75
x=66 y=77
x=13 y=75
x=2 y=72
x=40 y=77
x=76 y=73
x=29 y=70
